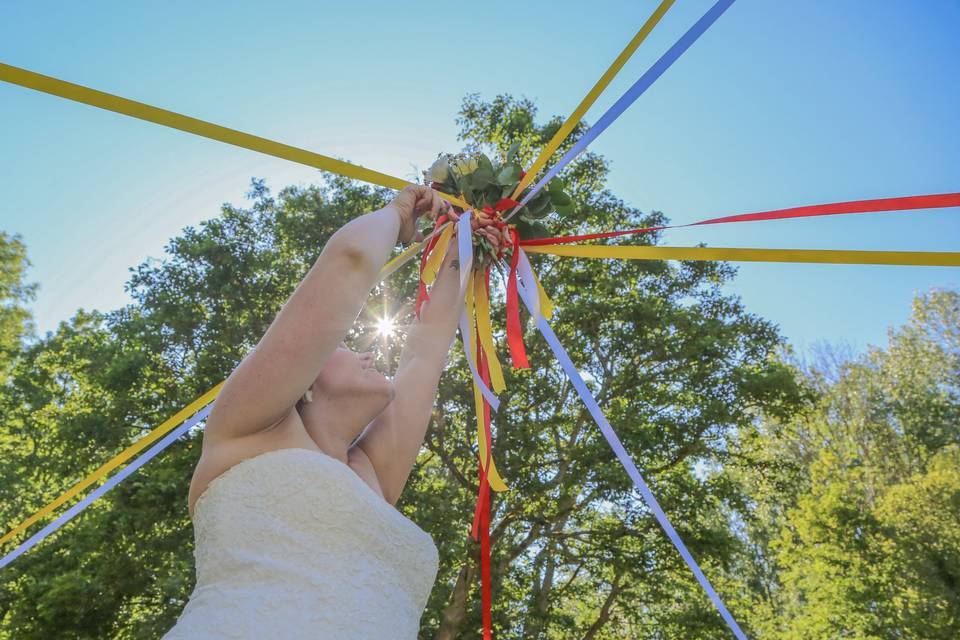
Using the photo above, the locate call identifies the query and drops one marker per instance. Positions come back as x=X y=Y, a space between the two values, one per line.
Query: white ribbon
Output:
x=465 y=247
x=148 y=455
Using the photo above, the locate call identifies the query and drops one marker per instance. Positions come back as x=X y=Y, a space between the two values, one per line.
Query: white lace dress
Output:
x=293 y=544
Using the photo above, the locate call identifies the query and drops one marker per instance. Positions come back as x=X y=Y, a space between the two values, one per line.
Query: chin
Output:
x=384 y=386
x=391 y=390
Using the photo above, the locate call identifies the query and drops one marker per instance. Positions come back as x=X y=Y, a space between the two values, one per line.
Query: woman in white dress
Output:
x=307 y=449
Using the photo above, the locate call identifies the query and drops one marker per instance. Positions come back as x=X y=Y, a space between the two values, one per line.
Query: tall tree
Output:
x=853 y=506
x=676 y=364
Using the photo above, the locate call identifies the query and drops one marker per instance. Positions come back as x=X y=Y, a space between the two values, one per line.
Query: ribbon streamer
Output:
x=835 y=208
x=465 y=249
x=634 y=92
x=625 y=459
x=134 y=109
x=518 y=354
x=119 y=459
x=465 y=333
x=481 y=518
x=430 y=261
x=824 y=256
x=105 y=487
x=482 y=407
x=542 y=304
x=432 y=266
x=481 y=297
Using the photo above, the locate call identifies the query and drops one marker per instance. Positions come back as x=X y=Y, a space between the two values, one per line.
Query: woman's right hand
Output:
x=412 y=202
x=486 y=227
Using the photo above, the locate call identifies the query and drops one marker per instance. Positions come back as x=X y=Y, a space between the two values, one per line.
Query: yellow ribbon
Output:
x=546 y=304
x=496 y=483
x=125 y=455
x=826 y=256
x=591 y=97
x=482 y=303
x=134 y=109
x=432 y=266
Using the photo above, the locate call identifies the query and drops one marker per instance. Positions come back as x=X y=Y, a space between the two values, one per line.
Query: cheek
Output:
x=335 y=376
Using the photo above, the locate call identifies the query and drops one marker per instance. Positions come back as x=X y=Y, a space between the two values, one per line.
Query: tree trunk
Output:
x=456 y=610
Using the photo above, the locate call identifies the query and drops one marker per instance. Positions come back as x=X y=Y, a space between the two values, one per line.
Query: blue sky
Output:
x=777 y=105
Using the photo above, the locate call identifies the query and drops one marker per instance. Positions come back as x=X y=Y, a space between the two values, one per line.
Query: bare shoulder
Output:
x=221 y=454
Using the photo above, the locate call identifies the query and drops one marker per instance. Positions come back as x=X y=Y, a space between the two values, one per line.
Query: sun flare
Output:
x=386 y=327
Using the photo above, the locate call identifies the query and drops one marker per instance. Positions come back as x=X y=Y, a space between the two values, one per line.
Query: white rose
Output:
x=439 y=170
x=466 y=166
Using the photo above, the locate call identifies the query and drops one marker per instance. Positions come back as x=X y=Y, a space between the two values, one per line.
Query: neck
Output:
x=332 y=429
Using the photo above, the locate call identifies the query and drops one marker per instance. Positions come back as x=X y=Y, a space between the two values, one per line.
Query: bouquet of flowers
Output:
x=490 y=188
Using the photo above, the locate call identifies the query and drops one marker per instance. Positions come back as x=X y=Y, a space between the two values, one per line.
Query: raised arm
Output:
x=393 y=440
x=315 y=319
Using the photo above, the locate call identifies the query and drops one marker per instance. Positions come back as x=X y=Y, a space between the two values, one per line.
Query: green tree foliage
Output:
x=15 y=294
x=679 y=367
x=854 y=506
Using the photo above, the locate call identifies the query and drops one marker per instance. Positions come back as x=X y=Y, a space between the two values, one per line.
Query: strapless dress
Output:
x=293 y=544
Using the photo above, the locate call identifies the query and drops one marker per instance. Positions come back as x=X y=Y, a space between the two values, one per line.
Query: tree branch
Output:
x=604 y=615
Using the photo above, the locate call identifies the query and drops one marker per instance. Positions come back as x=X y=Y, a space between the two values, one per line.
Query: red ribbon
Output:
x=518 y=354
x=481 y=515
x=854 y=206
x=484 y=477
x=503 y=205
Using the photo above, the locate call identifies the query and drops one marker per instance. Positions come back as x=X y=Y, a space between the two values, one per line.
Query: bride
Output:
x=307 y=450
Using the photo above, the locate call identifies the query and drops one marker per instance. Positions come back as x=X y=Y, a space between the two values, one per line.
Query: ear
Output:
x=306 y=398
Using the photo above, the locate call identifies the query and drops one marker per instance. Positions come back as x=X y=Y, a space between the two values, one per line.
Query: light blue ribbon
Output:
x=109 y=484
x=465 y=249
x=491 y=397
x=634 y=92
x=620 y=452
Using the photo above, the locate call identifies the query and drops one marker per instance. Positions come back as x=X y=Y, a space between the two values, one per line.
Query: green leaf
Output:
x=531 y=230
x=485 y=163
x=566 y=209
x=482 y=177
x=540 y=203
x=559 y=198
x=536 y=213
x=509 y=174
x=492 y=194
x=464 y=186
